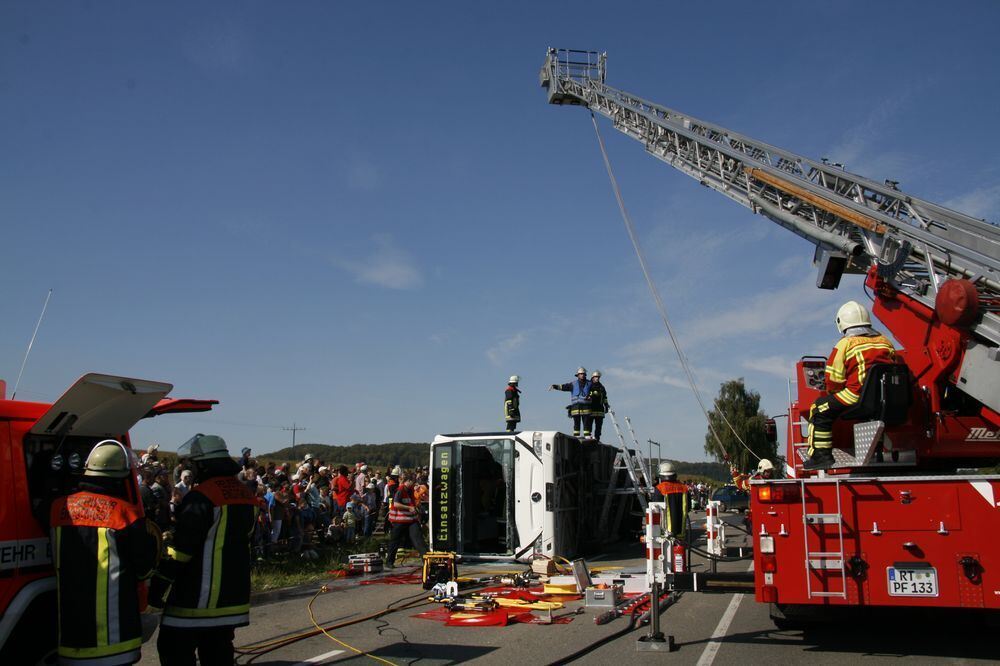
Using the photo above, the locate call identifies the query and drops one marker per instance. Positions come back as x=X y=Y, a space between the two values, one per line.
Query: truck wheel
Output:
x=785 y=618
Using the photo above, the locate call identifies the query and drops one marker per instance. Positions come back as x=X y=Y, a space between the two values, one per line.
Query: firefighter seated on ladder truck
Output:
x=675 y=496
x=860 y=348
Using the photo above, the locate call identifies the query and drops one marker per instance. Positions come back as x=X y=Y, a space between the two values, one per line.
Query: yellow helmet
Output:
x=852 y=314
x=108 y=458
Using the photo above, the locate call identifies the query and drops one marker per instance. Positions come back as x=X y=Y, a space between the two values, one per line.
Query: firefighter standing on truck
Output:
x=102 y=549
x=205 y=580
x=579 y=406
x=860 y=348
x=675 y=495
x=512 y=403
x=598 y=403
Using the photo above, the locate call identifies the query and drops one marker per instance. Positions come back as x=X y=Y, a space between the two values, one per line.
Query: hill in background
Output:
x=417 y=454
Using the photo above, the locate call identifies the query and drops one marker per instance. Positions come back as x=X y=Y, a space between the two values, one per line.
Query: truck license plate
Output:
x=916 y=582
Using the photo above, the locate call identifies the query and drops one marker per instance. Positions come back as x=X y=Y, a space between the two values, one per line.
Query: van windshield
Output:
x=475 y=494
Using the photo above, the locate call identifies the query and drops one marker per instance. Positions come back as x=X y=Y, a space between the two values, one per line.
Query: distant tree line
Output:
x=404 y=454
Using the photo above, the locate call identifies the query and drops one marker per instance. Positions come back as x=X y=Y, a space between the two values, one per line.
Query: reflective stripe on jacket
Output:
x=101 y=550
x=598 y=400
x=211 y=550
x=850 y=361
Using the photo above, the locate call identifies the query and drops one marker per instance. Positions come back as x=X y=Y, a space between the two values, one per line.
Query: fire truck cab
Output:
x=43 y=448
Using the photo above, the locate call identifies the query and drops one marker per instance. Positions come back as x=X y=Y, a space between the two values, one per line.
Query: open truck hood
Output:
x=102 y=406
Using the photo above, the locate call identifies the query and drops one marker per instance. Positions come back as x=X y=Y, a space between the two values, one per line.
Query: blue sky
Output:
x=362 y=217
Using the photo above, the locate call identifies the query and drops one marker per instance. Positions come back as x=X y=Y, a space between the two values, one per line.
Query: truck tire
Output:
x=786 y=617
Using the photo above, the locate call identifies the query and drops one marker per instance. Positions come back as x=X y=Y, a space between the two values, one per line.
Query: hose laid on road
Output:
x=326 y=633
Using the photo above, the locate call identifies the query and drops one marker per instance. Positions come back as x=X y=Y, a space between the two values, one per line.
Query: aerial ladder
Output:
x=899 y=520
x=934 y=272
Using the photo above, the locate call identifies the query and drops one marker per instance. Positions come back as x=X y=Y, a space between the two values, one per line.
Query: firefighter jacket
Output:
x=102 y=550
x=512 y=403
x=675 y=496
x=403 y=510
x=580 y=402
x=210 y=557
x=850 y=360
x=598 y=400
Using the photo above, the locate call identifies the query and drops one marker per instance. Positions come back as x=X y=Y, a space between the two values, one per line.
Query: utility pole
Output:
x=295 y=428
x=659 y=452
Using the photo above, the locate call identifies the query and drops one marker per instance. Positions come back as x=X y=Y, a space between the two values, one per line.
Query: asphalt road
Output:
x=707 y=629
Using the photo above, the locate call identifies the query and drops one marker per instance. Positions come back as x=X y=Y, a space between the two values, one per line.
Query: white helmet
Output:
x=765 y=465
x=203 y=447
x=581 y=370
x=667 y=470
x=595 y=373
x=852 y=314
x=514 y=379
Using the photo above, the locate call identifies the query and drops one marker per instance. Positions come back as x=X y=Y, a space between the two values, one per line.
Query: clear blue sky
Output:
x=362 y=217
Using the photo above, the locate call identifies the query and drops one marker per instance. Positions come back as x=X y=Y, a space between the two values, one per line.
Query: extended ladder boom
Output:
x=855 y=222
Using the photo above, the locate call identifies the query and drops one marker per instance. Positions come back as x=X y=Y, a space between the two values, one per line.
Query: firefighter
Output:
x=675 y=495
x=512 y=403
x=765 y=469
x=598 y=403
x=204 y=583
x=859 y=348
x=579 y=406
x=102 y=549
x=405 y=520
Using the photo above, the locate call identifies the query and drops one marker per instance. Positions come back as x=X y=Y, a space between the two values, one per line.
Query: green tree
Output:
x=741 y=408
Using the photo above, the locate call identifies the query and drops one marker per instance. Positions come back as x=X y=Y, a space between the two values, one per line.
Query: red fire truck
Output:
x=902 y=519
x=43 y=449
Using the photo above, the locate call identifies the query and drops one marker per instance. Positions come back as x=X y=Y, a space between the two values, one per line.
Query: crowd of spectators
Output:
x=302 y=504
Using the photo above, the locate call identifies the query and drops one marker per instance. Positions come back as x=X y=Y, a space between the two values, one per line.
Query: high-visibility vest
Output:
x=675 y=496
x=851 y=359
x=580 y=392
x=101 y=550
x=402 y=512
x=211 y=549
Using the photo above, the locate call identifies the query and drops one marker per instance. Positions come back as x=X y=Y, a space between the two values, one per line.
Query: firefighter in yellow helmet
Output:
x=859 y=348
x=204 y=583
x=102 y=550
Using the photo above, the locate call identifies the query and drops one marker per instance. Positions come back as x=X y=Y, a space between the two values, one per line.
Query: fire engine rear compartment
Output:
x=878 y=541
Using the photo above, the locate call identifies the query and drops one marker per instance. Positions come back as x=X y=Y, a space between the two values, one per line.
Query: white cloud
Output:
x=633 y=378
x=983 y=203
x=499 y=352
x=778 y=366
x=386 y=266
x=860 y=149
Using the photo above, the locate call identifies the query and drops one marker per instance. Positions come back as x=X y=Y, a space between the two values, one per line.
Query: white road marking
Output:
x=319 y=659
x=713 y=645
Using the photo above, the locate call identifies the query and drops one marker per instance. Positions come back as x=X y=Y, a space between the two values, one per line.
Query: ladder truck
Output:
x=896 y=522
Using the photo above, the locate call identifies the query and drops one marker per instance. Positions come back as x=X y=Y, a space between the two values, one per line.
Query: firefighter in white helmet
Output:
x=102 y=548
x=579 y=407
x=765 y=469
x=859 y=348
x=675 y=495
x=512 y=403
x=598 y=403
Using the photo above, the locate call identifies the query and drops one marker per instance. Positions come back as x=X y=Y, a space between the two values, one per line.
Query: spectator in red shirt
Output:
x=342 y=487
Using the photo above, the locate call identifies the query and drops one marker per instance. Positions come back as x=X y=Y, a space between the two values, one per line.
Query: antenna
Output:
x=47 y=297
x=295 y=428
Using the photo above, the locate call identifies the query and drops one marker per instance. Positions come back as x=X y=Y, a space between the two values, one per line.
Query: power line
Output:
x=294 y=429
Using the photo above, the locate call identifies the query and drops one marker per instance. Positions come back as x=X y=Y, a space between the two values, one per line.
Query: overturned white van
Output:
x=509 y=495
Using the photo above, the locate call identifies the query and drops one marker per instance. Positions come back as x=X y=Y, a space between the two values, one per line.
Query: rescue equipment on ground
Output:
x=438 y=568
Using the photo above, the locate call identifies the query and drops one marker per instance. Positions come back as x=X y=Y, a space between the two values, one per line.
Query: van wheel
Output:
x=723 y=508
